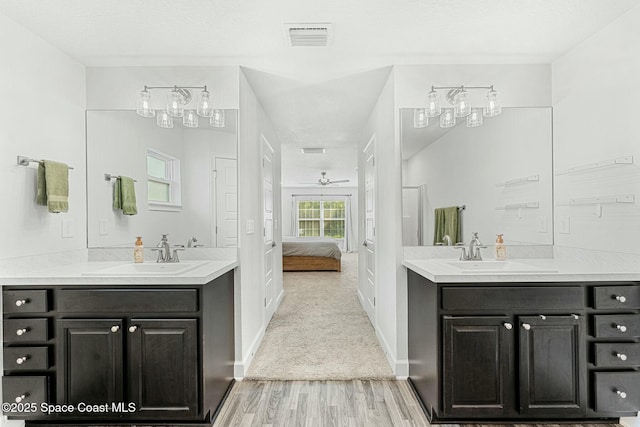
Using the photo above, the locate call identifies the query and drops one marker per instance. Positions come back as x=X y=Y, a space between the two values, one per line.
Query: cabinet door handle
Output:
x=621 y=356
x=621 y=328
x=622 y=394
x=21 y=360
x=21 y=302
x=133 y=328
x=507 y=325
x=543 y=317
x=621 y=298
x=115 y=328
x=22 y=331
x=526 y=326
x=21 y=397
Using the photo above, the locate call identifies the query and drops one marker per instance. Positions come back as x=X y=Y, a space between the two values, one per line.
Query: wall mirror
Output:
x=499 y=175
x=186 y=180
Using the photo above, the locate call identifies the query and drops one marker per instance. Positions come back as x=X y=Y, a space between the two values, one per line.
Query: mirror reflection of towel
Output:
x=447 y=221
x=124 y=195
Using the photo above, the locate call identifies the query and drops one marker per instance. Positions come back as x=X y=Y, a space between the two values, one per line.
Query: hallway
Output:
x=320 y=331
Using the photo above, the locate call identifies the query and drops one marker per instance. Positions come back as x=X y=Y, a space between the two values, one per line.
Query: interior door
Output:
x=370 y=230
x=226 y=202
x=269 y=243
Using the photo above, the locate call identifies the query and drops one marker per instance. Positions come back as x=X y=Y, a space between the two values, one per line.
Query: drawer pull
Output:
x=22 y=331
x=621 y=356
x=132 y=329
x=621 y=298
x=21 y=397
x=21 y=302
x=622 y=394
x=543 y=317
x=21 y=360
x=115 y=328
x=508 y=325
x=526 y=326
x=621 y=328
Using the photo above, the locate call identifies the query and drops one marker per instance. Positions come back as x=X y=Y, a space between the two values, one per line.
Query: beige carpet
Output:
x=320 y=331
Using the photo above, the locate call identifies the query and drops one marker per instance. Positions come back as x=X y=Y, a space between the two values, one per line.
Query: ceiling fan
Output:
x=324 y=181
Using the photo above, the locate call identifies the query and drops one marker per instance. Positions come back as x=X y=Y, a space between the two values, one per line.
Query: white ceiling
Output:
x=315 y=96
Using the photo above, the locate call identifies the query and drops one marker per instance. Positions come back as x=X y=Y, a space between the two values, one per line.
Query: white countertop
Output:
x=89 y=273
x=542 y=270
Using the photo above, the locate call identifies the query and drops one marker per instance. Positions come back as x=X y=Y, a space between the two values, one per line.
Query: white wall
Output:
x=252 y=124
x=35 y=73
x=464 y=166
x=596 y=113
x=287 y=193
x=42 y=118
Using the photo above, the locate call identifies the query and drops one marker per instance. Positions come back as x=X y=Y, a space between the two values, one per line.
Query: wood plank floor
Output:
x=321 y=403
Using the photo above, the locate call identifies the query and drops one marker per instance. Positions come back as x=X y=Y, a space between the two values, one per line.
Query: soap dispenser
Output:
x=138 y=250
x=501 y=249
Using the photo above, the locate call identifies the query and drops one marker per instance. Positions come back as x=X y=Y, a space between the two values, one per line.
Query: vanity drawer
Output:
x=617 y=354
x=28 y=390
x=608 y=297
x=617 y=391
x=617 y=326
x=513 y=298
x=23 y=301
x=25 y=330
x=25 y=358
x=127 y=300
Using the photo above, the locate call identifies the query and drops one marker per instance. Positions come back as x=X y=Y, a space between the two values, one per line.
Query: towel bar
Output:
x=25 y=161
x=109 y=177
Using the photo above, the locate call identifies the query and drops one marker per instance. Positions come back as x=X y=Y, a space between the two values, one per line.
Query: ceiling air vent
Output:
x=309 y=34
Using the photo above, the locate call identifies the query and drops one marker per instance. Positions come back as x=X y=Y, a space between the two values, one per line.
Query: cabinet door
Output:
x=90 y=361
x=477 y=366
x=163 y=368
x=552 y=365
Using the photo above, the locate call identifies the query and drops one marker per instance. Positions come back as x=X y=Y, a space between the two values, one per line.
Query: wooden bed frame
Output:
x=310 y=263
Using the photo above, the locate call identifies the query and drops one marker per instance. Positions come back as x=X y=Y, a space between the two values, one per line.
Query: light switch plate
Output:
x=251 y=226
x=102 y=226
x=67 y=228
x=565 y=225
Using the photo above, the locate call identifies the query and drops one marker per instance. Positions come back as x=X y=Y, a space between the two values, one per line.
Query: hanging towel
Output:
x=52 y=184
x=447 y=221
x=124 y=195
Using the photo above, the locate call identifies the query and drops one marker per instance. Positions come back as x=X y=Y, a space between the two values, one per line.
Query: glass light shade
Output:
x=190 y=119
x=493 y=107
x=204 y=107
x=475 y=118
x=175 y=104
x=420 y=118
x=217 y=119
x=433 y=105
x=462 y=108
x=447 y=118
x=164 y=120
x=143 y=107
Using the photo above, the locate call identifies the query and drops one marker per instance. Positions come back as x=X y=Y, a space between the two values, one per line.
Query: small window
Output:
x=163 y=181
x=321 y=219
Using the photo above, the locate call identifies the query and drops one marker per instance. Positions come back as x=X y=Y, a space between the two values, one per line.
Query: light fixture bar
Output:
x=175 y=87
x=462 y=87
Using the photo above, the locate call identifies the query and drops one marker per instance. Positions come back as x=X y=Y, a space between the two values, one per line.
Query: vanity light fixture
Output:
x=217 y=119
x=458 y=97
x=177 y=98
x=420 y=118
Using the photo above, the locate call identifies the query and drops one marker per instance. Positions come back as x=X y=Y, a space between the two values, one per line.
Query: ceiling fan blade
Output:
x=340 y=180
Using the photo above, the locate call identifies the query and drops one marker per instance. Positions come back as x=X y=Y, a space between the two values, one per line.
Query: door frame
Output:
x=372 y=312
x=268 y=309
x=213 y=204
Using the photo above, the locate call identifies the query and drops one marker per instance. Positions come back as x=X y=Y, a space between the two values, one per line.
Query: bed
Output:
x=310 y=254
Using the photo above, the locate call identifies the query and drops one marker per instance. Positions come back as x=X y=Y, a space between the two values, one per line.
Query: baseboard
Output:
x=400 y=367
x=240 y=368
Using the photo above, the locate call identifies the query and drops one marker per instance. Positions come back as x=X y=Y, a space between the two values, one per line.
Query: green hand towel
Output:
x=446 y=222
x=53 y=186
x=124 y=196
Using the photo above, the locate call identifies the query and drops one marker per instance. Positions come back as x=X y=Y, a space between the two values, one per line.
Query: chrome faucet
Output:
x=473 y=253
x=191 y=241
x=446 y=239
x=164 y=251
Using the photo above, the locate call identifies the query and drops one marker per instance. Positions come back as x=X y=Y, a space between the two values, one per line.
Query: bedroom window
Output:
x=321 y=219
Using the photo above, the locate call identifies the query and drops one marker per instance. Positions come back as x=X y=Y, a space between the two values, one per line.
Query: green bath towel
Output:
x=124 y=195
x=447 y=221
x=53 y=186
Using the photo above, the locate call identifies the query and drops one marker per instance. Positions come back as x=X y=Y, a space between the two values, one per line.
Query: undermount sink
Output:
x=146 y=269
x=498 y=267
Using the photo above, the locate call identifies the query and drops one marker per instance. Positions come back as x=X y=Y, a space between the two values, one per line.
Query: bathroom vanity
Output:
x=119 y=350
x=523 y=347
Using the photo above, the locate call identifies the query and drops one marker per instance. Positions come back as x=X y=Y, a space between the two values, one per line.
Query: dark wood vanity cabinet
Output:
x=530 y=351
x=150 y=354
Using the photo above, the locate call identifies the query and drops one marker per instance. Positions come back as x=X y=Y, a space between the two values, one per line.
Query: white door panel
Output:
x=369 y=285
x=226 y=203
x=269 y=253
